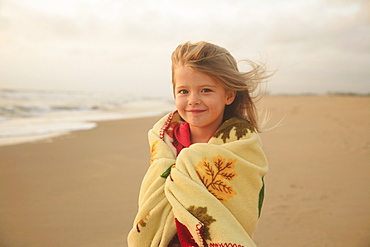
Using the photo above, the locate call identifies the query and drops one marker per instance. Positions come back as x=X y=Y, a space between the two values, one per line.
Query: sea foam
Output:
x=28 y=115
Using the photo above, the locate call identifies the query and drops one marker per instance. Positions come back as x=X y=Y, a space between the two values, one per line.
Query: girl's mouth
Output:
x=196 y=111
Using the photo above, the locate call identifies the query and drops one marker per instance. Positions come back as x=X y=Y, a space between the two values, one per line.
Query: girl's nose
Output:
x=194 y=99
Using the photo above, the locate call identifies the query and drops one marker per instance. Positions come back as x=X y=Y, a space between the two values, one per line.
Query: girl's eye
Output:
x=183 y=91
x=206 y=90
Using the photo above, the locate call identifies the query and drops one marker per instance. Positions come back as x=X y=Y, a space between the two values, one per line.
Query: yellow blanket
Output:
x=212 y=192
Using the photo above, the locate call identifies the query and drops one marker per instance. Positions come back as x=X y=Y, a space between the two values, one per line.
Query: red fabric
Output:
x=182 y=139
x=185 y=237
x=181 y=136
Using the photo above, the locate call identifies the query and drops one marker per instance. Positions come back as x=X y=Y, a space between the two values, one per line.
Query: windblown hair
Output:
x=218 y=63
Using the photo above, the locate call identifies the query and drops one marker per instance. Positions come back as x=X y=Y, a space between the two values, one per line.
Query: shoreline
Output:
x=70 y=126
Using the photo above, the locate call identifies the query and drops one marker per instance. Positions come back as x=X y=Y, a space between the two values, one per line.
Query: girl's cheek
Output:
x=178 y=103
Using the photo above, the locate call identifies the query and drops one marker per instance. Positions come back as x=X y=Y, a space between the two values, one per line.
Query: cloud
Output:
x=90 y=44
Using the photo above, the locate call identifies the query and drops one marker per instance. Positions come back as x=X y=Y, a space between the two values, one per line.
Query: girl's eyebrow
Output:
x=207 y=85
x=181 y=86
x=199 y=86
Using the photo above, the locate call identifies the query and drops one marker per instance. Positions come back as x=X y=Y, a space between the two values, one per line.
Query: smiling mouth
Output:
x=196 y=111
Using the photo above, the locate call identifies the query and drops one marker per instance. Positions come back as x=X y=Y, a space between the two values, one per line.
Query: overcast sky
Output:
x=125 y=45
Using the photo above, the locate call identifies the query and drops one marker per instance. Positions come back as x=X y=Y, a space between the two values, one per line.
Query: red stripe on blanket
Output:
x=225 y=245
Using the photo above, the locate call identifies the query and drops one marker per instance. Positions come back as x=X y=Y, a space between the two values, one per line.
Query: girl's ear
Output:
x=230 y=96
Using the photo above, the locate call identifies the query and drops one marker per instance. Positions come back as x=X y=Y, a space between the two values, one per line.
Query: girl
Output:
x=204 y=186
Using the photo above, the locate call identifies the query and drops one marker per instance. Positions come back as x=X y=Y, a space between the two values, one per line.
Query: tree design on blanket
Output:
x=215 y=176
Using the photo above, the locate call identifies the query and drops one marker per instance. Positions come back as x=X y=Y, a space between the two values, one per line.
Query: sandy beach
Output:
x=81 y=189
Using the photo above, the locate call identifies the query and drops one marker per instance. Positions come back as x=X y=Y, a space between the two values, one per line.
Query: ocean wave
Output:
x=29 y=113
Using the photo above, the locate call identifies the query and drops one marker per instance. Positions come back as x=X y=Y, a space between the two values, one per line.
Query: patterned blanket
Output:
x=211 y=194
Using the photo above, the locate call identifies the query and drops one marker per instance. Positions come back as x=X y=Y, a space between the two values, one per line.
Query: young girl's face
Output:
x=200 y=99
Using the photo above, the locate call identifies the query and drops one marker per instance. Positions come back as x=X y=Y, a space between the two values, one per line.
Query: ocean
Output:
x=31 y=115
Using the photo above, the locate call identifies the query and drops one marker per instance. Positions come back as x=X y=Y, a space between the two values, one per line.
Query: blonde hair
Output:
x=218 y=63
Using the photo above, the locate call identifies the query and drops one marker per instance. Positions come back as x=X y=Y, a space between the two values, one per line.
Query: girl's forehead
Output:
x=185 y=69
x=186 y=74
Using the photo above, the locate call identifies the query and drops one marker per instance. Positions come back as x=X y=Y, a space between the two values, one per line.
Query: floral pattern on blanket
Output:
x=215 y=176
x=201 y=214
x=142 y=222
x=240 y=127
x=183 y=233
x=153 y=151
